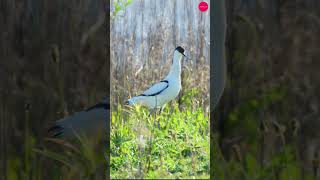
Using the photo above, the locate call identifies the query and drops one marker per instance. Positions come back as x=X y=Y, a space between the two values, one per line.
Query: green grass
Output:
x=172 y=144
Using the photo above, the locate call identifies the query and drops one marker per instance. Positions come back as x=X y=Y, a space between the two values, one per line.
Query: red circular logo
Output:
x=203 y=6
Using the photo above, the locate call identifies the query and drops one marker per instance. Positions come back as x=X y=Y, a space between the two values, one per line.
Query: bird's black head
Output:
x=180 y=49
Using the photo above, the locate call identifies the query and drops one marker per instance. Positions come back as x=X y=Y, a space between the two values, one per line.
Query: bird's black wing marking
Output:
x=100 y=105
x=57 y=134
x=157 y=93
x=56 y=130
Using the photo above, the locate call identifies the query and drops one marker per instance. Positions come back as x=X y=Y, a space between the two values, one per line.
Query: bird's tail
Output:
x=134 y=100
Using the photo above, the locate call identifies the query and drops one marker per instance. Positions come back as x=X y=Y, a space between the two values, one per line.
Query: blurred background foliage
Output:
x=267 y=122
x=53 y=62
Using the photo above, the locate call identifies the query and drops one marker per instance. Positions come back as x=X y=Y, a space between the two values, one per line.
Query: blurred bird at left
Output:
x=54 y=75
x=89 y=122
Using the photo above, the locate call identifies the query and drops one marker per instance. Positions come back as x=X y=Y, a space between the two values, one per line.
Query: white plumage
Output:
x=166 y=90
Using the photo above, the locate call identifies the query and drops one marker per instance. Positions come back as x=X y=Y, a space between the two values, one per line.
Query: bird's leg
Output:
x=155 y=108
x=155 y=112
x=158 y=121
x=152 y=111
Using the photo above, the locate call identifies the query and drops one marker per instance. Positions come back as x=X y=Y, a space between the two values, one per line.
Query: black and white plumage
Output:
x=166 y=90
x=89 y=122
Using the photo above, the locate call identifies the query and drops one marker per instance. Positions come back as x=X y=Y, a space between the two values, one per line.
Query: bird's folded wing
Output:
x=156 y=89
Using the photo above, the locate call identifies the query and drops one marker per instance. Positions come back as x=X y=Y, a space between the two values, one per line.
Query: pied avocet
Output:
x=166 y=90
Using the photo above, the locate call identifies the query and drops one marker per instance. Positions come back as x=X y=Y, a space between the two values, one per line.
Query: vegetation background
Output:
x=267 y=122
x=266 y=125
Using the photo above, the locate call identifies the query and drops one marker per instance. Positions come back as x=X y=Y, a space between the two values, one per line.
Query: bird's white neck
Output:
x=175 y=70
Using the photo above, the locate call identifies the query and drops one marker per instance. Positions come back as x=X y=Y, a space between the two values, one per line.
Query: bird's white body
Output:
x=166 y=90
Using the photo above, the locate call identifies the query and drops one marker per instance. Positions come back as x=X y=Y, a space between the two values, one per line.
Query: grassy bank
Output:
x=171 y=144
